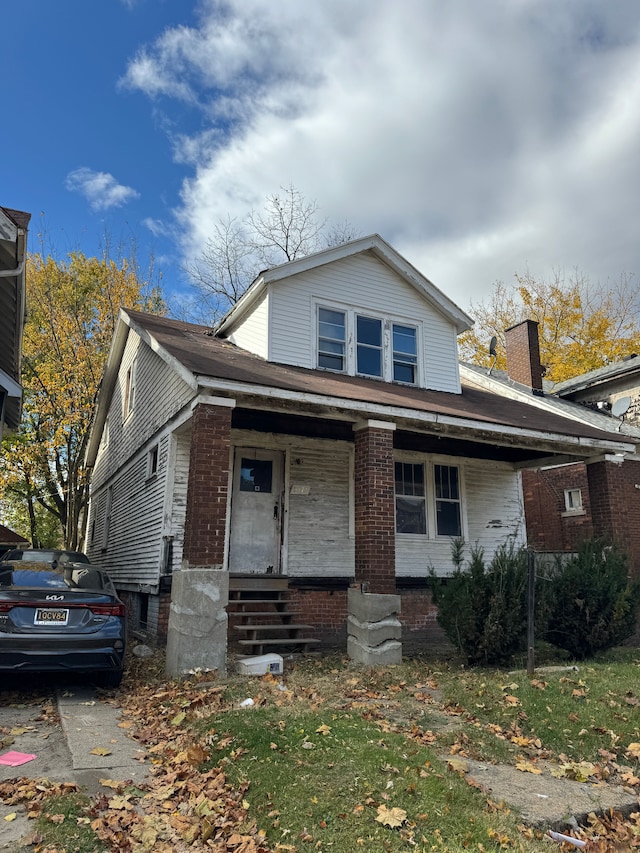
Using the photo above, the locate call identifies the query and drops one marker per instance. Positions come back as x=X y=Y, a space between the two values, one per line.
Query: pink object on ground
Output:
x=14 y=759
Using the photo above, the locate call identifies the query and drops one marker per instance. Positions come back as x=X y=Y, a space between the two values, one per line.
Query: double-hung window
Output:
x=411 y=516
x=447 y=496
x=361 y=345
x=332 y=339
x=369 y=346
x=405 y=354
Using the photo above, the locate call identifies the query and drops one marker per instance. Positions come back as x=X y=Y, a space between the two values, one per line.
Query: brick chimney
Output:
x=523 y=355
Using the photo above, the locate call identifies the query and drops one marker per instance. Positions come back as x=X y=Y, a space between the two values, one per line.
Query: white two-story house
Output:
x=320 y=438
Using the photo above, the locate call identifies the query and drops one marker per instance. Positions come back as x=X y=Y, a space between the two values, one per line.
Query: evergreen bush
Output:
x=483 y=609
x=590 y=603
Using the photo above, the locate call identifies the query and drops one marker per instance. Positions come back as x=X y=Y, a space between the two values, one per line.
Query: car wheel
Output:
x=111 y=679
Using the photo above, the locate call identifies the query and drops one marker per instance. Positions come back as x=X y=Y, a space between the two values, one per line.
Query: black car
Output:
x=61 y=617
x=44 y=555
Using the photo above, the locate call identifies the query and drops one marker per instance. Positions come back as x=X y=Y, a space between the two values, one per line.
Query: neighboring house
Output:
x=324 y=433
x=9 y=540
x=561 y=505
x=13 y=248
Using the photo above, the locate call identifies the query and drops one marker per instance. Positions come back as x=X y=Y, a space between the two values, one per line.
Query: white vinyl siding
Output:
x=253 y=333
x=364 y=285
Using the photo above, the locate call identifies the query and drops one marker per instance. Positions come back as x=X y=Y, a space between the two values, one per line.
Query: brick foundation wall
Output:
x=326 y=610
x=208 y=488
x=164 y=608
x=374 y=510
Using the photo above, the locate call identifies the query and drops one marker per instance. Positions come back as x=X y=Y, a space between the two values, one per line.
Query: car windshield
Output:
x=43 y=577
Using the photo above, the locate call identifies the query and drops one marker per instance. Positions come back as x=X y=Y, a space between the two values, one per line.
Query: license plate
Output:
x=51 y=616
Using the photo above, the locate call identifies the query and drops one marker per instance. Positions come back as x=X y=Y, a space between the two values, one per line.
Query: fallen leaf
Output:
x=391 y=817
x=10 y=817
x=323 y=729
x=457 y=765
x=528 y=767
x=100 y=750
x=633 y=750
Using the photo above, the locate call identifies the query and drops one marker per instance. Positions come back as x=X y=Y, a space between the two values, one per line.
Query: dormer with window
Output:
x=358 y=309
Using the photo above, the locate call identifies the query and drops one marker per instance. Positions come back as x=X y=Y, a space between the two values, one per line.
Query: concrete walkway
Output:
x=64 y=751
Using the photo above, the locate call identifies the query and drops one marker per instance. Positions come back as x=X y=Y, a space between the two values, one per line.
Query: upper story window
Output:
x=357 y=344
x=331 y=339
x=129 y=392
x=405 y=354
x=368 y=346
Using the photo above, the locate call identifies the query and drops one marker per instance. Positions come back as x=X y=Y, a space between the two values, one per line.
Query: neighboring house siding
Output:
x=492 y=511
x=253 y=333
x=158 y=395
x=366 y=284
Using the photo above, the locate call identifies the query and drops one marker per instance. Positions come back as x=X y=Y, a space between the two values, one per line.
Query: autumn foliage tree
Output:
x=72 y=306
x=582 y=326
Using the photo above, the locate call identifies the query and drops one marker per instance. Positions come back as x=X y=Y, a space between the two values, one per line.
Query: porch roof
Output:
x=226 y=369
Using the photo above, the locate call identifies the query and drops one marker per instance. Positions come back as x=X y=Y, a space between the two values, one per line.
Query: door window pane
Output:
x=331 y=339
x=411 y=515
x=369 y=346
x=405 y=354
x=256 y=475
x=447 y=488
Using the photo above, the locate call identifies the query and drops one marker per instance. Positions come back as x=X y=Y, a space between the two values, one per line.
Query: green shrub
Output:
x=483 y=610
x=589 y=602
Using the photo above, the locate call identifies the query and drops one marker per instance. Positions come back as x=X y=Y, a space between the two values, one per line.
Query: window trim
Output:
x=350 y=358
x=129 y=391
x=457 y=501
x=153 y=460
x=429 y=462
x=412 y=498
x=569 y=509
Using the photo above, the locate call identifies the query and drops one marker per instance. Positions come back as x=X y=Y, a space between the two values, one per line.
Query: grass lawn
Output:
x=336 y=757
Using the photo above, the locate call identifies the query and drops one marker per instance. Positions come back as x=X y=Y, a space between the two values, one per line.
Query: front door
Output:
x=256 y=511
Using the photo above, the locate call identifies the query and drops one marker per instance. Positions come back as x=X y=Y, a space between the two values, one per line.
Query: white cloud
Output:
x=101 y=189
x=479 y=138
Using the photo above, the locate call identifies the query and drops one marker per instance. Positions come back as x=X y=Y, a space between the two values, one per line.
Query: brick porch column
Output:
x=373 y=626
x=375 y=526
x=615 y=505
x=197 y=631
x=208 y=488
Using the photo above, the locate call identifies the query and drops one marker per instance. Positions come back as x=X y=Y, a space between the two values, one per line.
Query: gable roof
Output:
x=373 y=244
x=601 y=375
x=217 y=366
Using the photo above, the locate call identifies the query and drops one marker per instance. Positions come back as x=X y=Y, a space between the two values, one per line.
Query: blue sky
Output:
x=480 y=139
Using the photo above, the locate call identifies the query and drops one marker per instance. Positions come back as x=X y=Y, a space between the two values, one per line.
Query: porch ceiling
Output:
x=404 y=438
